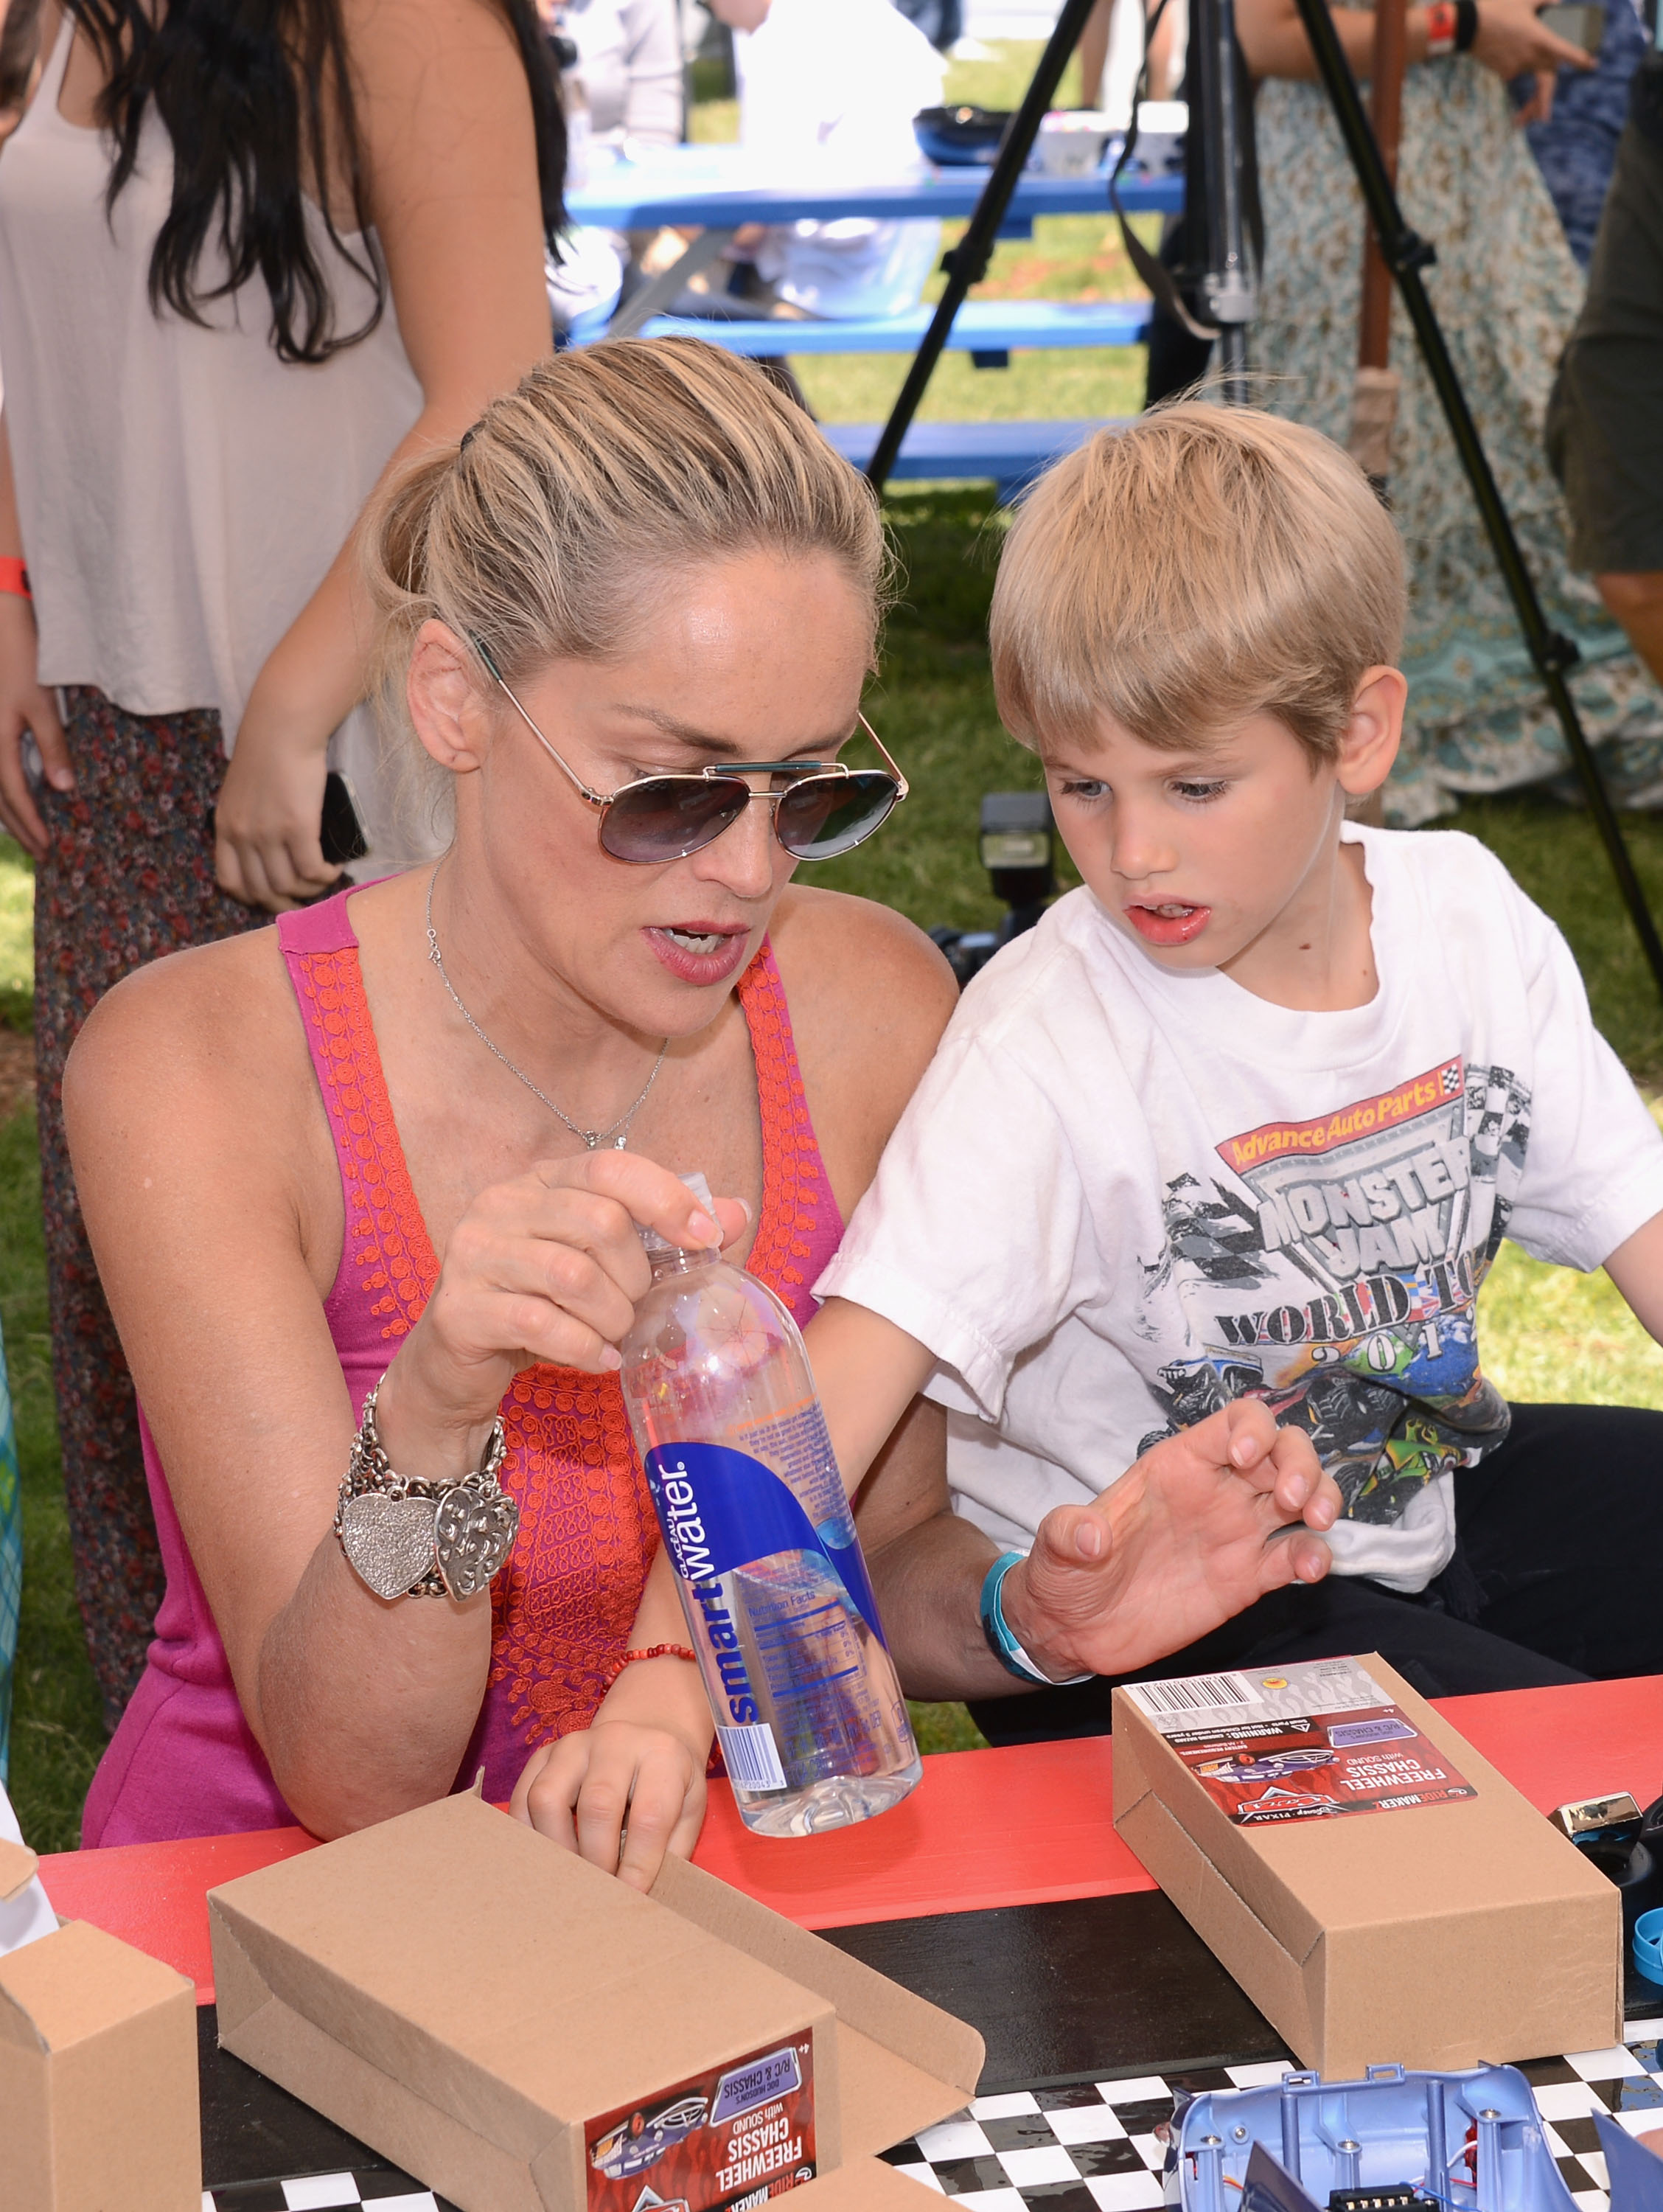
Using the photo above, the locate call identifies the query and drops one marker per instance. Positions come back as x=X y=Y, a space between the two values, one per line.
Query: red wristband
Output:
x=656 y=1652
x=15 y=577
x=1441 y=23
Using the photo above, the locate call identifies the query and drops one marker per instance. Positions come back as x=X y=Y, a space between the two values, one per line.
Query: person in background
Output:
x=1605 y=427
x=1507 y=291
x=941 y=22
x=629 y=58
x=216 y=338
x=832 y=86
x=622 y=83
x=1575 y=142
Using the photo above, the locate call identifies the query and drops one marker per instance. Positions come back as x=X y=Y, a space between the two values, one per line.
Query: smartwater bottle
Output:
x=813 y=1727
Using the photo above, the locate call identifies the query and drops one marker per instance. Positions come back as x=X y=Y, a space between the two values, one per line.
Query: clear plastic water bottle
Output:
x=813 y=1727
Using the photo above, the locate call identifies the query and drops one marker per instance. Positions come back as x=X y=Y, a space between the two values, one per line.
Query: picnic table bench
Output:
x=1009 y=454
x=716 y=187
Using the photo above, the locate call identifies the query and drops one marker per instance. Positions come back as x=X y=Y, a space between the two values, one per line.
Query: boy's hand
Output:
x=622 y=1796
x=1197 y=1529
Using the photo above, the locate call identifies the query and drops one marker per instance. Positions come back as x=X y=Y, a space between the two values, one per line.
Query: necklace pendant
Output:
x=621 y=1140
x=591 y=1139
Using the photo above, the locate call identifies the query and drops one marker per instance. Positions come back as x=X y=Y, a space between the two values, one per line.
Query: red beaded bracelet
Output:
x=15 y=576
x=656 y=1652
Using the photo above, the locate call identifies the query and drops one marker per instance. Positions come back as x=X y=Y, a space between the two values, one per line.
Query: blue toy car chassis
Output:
x=1470 y=2142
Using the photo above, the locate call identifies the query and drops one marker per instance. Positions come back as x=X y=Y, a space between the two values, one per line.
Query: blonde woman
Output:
x=402 y=1139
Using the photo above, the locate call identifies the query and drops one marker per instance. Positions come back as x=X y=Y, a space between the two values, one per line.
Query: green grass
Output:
x=16 y=936
x=1069 y=258
x=1547 y=1333
x=56 y=1732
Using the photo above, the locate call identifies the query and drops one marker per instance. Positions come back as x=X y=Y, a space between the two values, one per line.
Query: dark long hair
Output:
x=251 y=92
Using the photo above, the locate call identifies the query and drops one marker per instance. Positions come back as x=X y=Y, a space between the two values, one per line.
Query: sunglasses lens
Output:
x=825 y=815
x=668 y=817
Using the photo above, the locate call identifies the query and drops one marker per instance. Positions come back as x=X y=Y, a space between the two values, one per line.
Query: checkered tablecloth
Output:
x=1092 y=2146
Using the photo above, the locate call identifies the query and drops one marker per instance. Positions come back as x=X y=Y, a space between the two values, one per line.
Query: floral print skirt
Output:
x=1507 y=291
x=128 y=877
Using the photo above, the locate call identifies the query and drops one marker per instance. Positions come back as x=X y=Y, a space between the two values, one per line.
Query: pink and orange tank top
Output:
x=183 y=1762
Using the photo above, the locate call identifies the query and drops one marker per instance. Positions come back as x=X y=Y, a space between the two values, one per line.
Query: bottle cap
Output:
x=656 y=1245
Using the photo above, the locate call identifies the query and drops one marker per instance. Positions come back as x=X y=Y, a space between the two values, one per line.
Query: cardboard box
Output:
x=18 y=1867
x=525 y=2034
x=98 y=2079
x=867 y=2185
x=1443 y=1922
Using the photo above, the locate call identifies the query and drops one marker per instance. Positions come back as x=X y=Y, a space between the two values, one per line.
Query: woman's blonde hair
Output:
x=1207 y=564
x=551 y=530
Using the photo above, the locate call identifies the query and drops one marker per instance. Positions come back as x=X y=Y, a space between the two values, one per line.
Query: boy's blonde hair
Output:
x=1205 y=565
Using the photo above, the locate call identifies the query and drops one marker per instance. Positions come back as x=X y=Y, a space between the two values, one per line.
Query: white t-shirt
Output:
x=828 y=88
x=1123 y=1196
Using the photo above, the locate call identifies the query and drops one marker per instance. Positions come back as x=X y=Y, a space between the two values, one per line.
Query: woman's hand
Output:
x=1511 y=40
x=622 y=1796
x=546 y=1268
x=267 y=823
x=1204 y=1523
x=25 y=705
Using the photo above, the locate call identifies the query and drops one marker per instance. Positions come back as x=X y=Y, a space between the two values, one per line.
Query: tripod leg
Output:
x=1551 y=655
x=967 y=265
x=1228 y=291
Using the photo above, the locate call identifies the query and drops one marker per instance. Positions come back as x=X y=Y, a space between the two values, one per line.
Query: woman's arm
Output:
x=23 y=704
x=1510 y=39
x=452 y=184
x=1636 y=1268
x=216 y=1252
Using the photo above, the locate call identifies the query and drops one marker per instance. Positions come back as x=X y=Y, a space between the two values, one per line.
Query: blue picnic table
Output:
x=719 y=189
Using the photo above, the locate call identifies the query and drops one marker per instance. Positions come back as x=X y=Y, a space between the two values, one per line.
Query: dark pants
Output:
x=1604 y=422
x=1560 y=1532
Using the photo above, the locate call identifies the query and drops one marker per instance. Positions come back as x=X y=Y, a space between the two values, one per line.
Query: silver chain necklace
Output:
x=618 y=1130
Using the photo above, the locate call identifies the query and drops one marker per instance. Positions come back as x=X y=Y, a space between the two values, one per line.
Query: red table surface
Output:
x=1023 y=1826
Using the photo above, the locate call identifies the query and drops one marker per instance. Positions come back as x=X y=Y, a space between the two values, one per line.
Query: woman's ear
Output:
x=1375 y=732
x=442 y=690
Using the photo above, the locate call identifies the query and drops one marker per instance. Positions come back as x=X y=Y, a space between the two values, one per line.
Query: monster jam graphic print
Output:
x=1333 y=1271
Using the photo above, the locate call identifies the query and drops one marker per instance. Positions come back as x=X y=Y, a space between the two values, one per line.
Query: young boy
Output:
x=1249 y=1115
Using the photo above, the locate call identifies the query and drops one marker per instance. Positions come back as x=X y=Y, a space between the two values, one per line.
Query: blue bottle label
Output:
x=721 y=1509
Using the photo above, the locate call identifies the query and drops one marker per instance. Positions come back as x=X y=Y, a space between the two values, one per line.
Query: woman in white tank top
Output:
x=214 y=345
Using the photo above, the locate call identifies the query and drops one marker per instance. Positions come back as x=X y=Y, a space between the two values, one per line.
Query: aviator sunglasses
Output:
x=823 y=808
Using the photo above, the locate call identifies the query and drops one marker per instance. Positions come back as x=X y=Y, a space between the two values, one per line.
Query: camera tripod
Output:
x=1226 y=294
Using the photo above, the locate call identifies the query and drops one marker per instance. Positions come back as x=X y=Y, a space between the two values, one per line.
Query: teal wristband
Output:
x=997 y=1630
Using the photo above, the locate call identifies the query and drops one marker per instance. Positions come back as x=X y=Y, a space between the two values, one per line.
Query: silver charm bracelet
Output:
x=406 y=1538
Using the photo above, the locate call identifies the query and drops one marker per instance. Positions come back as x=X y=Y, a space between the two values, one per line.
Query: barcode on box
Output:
x=751 y=1757
x=1195 y=1693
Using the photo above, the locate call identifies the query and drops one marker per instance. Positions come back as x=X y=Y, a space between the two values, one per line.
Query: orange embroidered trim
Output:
x=794 y=1189
x=563 y=1610
x=387 y=1245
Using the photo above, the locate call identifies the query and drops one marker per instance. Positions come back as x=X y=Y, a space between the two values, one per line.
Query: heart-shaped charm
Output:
x=473 y=1535
x=388 y=1540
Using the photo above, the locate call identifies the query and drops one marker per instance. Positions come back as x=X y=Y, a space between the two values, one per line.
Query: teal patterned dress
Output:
x=1507 y=292
x=11 y=1560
